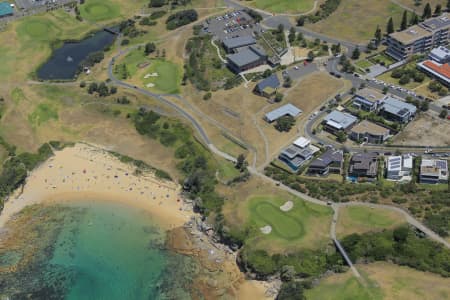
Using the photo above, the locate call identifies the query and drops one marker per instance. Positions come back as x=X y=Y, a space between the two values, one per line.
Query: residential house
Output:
x=367 y=99
x=363 y=165
x=433 y=171
x=268 y=86
x=398 y=167
x=285 y=110
x=397 y=110
x=330 y=161
x=339 y=121
x=369 y=132
x=298 y=153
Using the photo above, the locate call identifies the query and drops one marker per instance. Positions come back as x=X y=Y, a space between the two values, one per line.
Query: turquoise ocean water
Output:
x=96 y=250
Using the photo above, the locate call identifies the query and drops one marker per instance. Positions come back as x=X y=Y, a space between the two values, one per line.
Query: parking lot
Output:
x=234 y=24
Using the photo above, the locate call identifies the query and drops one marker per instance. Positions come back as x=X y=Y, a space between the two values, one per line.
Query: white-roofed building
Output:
x=285 y=110
x=399 y=167
x=302 y=142
x=337 y=121
x=433 y=171
x=440 y=54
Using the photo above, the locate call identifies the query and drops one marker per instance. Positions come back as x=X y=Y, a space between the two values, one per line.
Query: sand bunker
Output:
x=151 y=75
x=266 y=229
x=287 y=206
x=149 y=85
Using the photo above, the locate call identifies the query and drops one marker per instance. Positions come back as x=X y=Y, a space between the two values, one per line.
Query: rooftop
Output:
x=437 y=69
x=434 y=167
x=340 y=120
x=410 y=34
x=287 y=109
x=5 y=9
x=370 y=94
x=365 y=162
x=436 y=23
x=369 y=127
x=397 y=107
x=239 y=42
x=394 y=163
x=302 y=142
x=440 y=52
x=271 y=81
x=244 y=57
x=328 y=157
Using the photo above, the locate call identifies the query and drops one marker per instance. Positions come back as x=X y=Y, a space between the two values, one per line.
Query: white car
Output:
x=296 y=68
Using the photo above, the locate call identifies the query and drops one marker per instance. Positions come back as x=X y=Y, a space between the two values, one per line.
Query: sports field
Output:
x=359 y=219
x=385 y=281
x=284 y=6
x=99 y=10
x=305 y=225
x=357 y=20
x=167 y=79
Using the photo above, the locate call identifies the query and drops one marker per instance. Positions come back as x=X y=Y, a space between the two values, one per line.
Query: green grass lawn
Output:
x=168 y=77
x=227 y=170
x=343 y=287
x=363 y=64
x=381 y=57
x=358 y=219
x=99 y=10
x=43 y=113
x=305 y=225
x=284 y=6
x=132 y=61
x=38 y=28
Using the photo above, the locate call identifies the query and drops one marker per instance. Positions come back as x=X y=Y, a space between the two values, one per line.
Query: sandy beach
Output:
x=86 y=172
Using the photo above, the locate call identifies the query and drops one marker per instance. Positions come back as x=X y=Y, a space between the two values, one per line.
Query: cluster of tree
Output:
x=336 y=48
x=356 y=53
x=157 y=14
x=123 y=100
x=405 y=75
x=326 y=9
x=436 y=87
x=278 y=33
x=241 y=163
x=192 y=158
x=101 y=89
x=172 y=3
x=292 y=35
x=157 y=3
x=77 y=14
x=147 y=21
x=128 y=28
x=284 y=123
x=422 y=105
x=346 y=65
x=255 y=15
x=402 y=246
x=194 y=68
x=92 y=59
x=15 y=169
x=149 y=48
x=181 y=18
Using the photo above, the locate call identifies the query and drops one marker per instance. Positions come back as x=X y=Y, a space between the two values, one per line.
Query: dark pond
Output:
x=64 y=61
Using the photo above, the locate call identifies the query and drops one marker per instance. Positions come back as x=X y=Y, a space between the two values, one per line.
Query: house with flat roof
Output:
x=339 y=121
x=330 y=161
x=369 y=132
x=363 y=165
x=232 y=44
x=367 y=99
x=268 y=86
x=246 y=59
x=298 y=153
x=419 y=38
x=398 y=167
x=6 y=9
x=397 y=110
x=439 y=71
x=433 y=171
x=440 y=55
x=285 y=110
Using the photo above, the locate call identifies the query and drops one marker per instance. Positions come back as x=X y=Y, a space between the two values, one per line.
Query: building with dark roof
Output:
x=397 y=110
x=6 y=9
x=363 y=165
x=232 y=44
x=369 y=132
x=268 y=86
x=246 y=59
x=285 y=110
x=298 y=153
x=330 y=161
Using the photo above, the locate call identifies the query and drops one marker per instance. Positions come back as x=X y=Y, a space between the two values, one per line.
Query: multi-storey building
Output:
x=419 y=38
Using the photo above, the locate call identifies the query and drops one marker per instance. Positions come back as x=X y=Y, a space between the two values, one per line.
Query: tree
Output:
x=292 y=35
x=424 y=106
x=102 y=90
x=280 y=28
x=310 y=56
x=404 y=23
x=92 y=88
x=400 y=234
x=414 y=19
x=291 y=290
x=241 y=164
x=287 y=82
x=285 y=123
x=390 y=26
x=378 y=35
x=426 y=11
x=385 y=90
x=443 y=114
x=82 y=84
x=438 y=9
x=301 y=21
x=278 y=97
x=149 y=48
x=112 y=90
x=356 y=53
x=341 y=136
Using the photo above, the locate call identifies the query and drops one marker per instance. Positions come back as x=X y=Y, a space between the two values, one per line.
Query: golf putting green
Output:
x=99 y=10
x=37 y=29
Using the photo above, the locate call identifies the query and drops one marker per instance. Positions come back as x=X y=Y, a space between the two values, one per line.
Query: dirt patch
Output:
x=427 y=130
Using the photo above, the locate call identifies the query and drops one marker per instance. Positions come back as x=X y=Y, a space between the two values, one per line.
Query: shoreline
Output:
x=90 y=173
